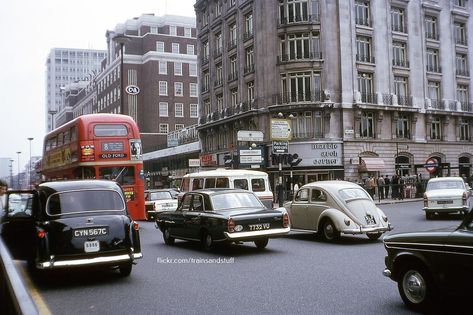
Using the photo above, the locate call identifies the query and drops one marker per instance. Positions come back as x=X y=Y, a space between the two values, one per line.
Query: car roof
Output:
x=333 y=184
x=66 y=185
x=222 y=172
x=450 y=178
x=215 y=191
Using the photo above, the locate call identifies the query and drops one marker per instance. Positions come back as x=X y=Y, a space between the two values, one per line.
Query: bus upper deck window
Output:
x=112 y=130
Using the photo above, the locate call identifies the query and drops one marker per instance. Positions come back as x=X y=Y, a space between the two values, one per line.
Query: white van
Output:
x=254 y=181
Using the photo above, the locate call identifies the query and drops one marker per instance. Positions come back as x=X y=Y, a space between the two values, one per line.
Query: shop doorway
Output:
x=464 y=166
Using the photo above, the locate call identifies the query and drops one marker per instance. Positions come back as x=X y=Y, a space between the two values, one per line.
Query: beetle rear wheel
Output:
x=416 y=287
x=125 y=269
x=329 y=231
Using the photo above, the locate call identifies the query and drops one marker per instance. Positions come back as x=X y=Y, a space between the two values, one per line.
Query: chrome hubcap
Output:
x=166 y=233
x=414 y=286
x=329 y=230
x=208 y=240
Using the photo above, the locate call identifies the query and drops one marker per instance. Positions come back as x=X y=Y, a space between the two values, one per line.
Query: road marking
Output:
x=37 y=298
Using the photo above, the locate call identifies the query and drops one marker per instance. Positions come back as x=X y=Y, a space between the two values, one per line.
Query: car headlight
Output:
x=347 y=222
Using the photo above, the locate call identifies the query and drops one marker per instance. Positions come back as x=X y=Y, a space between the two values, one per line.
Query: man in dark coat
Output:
x=387 y=181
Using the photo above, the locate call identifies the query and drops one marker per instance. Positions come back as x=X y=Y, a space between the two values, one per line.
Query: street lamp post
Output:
x=121 y=39
x=18 y=181
x=29 y=164
x=11 y=172
x=52 y=112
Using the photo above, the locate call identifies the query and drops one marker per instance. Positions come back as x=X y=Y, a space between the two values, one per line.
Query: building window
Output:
x=460 y=3
x=178 y=126
x=433 y=60
x=461 y=65
x=307 y=125
x=218 y=9
x=462 y=96
x=172 y=30
x=296 y=87
x=434 y=93
x=402 y=127
x=160 y=46
x=190 y=49
x=367 y=125
x=249 y=61
x=177 y=68
x=164 y=128
x=363 y=49
x=178 y=89
x=207 y=107
x=163 y=88
x=362 y=12
x=206 y=81
x=219 y=102
x=163 y=109
x=193 y=69
x=400 y=54
x=293 y=11
x=187 y=32
x=175 y=48
x=194 y=110
x=233 y=36
x=193 y=90
x=460 y=33
x=205 y=50
x=464 y=130
x=401 y=90
x=218 y=75
x=248 y=25
x=233 y=68
x=218 y=44
x=250 y=88
x=435 y=129
x=398 y=20
x=365 y=87
x=153 y=29
x=205 y=18
x=178 y=110
x=234 y=97
x=431 y=27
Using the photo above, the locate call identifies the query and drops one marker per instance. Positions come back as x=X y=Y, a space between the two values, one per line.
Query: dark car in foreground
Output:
x=212 y=216
x=433 y=264
x=70 y=224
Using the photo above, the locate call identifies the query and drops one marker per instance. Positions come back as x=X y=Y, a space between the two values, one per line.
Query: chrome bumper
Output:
x=362 y=230
x=387 y=273
x=52 y=264
x=241 y=236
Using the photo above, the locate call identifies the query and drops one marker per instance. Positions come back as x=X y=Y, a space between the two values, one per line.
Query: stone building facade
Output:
x=368 y=87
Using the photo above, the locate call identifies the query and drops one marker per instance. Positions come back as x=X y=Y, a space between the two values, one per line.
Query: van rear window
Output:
x=222 y=183
x=257 y=184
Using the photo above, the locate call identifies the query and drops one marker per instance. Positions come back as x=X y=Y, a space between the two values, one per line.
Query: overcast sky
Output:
x=28 y=30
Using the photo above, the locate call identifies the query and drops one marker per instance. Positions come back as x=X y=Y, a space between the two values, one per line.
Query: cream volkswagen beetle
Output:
x=331 y=208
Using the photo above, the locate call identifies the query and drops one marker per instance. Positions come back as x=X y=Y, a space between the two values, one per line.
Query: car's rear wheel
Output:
x=429 y=215
x=416 y=287
x=207 y=241
x=125 y=269
x=374 y=236
x=329 y=231
x=262 y=243
x=168 y=239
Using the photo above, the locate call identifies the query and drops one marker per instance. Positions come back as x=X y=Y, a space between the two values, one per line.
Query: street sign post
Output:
x=431 y=165
x=250 y=135
x=280 y=147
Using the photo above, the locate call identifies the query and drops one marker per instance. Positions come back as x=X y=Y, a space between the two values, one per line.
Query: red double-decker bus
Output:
x=101 y=146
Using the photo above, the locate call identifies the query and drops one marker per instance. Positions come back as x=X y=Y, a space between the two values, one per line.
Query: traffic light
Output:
x=228 y=161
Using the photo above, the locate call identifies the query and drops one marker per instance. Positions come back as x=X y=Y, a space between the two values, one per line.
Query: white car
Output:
x=159 y=200
x=336 y=207
x=446 y=195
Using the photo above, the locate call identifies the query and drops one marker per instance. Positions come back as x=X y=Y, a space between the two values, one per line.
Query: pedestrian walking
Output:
x=3 y=191
x=387 y=182
x=395 y=187
x=371 y=186
x=380 y=187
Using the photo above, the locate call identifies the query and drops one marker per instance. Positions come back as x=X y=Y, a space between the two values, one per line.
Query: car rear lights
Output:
x=285 y=220
x=41 y=233
x=231 y=225
x=426 y=201
x=136 y=226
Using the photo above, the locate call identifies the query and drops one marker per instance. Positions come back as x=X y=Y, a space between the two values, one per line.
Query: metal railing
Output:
x=317 y=55
x=286 y=98
x=365 y=58
x=312 y=18
x=401 y=63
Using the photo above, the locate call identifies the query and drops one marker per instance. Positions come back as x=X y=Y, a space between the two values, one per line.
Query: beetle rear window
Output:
x=84 y=201
x=353 y=193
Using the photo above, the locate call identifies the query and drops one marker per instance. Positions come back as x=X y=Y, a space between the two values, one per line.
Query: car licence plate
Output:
x=370 y=220
x=91 y=246
x=444 y=202
x=258 y=227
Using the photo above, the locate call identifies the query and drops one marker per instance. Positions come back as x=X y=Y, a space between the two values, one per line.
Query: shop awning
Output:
x=371 y=164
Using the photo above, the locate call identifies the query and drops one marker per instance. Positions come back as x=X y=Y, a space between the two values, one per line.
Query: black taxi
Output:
x=67 y=224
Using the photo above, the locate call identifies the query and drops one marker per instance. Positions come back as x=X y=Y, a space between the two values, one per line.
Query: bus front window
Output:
x=124 y=175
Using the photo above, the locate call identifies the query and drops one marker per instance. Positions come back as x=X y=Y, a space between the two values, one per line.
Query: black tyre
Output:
x=207 y=241
x=416 y=287
x=429 y=216
x=329 y=231
x=262 y=243
x=374 y=236
x=125 y=269
x=168 y=239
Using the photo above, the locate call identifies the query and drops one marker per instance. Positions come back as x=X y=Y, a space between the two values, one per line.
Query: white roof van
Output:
x=255 y=181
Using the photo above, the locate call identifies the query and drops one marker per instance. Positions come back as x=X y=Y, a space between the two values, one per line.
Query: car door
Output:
x=18 y=223
x=177 y=228
x=299 y=208
x=192 y=219
x=317 y=204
